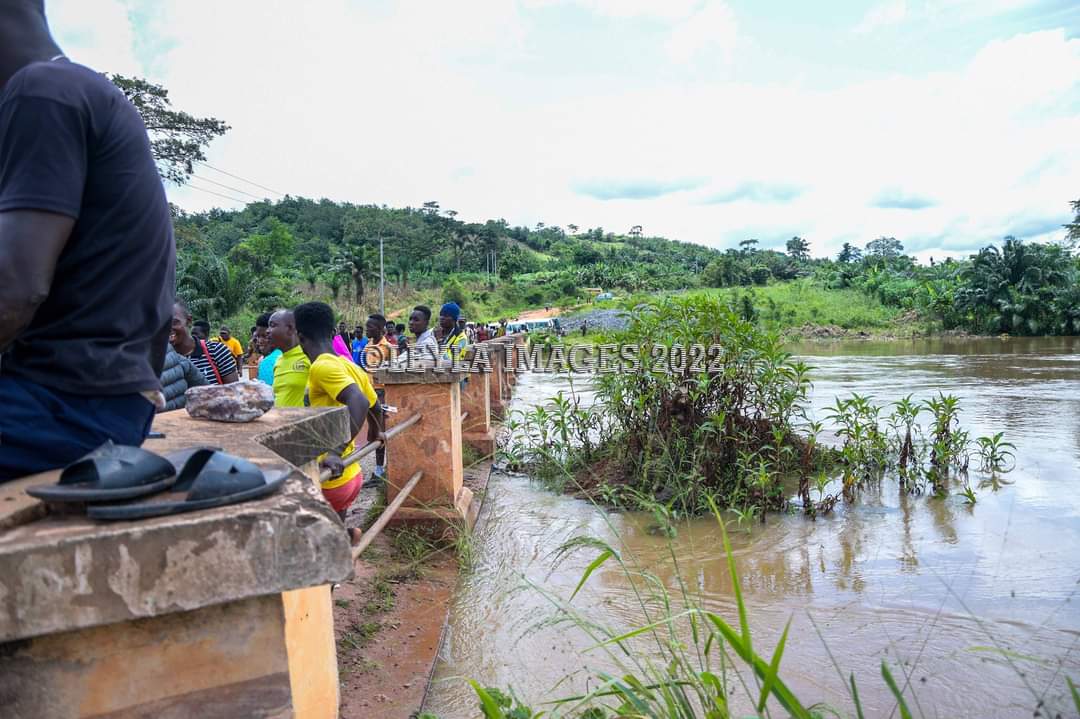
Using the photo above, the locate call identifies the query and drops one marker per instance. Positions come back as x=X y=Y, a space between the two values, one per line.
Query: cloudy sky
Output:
x=944 y=123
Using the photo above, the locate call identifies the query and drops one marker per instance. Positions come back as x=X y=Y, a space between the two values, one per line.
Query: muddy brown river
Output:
x=977 y=604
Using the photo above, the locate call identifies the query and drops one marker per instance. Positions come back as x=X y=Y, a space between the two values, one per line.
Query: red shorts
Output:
x=341 y=498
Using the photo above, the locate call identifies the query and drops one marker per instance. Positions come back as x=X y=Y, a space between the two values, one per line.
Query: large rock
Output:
x=240 y=401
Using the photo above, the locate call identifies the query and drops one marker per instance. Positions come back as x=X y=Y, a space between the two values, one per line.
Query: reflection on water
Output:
x=929 y=584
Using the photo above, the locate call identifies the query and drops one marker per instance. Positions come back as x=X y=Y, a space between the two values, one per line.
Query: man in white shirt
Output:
x=426 y=348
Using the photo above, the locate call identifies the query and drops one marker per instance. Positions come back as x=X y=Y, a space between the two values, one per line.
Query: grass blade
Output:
x=641 y=630
x=779 y=690
x=774 y=669
x=905 y=713
x=855 y=698
x=744 y=623
x=593 y=566
x=1075 y=694
x=487 y=702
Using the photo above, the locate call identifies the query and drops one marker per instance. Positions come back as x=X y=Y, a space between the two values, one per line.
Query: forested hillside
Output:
x=238 y=263
x=234 y=264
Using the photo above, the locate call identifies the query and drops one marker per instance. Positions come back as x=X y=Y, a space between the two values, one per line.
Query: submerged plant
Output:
x=729 y=425
x=995 y=454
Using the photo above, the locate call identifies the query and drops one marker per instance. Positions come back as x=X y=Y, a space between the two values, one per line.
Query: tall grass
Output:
x=686 y=662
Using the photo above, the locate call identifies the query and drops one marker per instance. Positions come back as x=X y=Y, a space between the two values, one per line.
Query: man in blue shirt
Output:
x=266 y=364
x=87 y=259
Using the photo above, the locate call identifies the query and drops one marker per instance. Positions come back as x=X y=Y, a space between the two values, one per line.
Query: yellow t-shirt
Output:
x=291 y=378
x=329 y=375
x=233 y=344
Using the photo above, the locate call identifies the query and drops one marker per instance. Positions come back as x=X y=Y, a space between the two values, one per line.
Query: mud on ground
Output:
x=389 y=618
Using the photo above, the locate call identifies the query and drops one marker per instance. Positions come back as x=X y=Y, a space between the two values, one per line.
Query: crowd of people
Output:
x=310 y=362
x=92 y=339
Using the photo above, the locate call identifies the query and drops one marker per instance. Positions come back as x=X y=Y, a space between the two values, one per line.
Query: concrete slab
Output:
x=63 y=572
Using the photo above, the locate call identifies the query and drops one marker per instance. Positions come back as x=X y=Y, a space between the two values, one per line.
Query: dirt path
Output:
x=388 y=621
x=541 y=314
x=389 y=618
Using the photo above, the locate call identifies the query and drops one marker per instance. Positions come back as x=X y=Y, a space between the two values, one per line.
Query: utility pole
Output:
x=382 y=281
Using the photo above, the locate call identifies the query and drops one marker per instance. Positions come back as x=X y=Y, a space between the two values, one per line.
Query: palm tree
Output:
x=212 y=286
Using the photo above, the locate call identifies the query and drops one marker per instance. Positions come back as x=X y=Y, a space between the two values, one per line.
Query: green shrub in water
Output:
x=713 y=409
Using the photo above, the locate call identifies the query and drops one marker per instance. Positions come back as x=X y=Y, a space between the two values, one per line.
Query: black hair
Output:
x=314 y=320
x=378 y=318
x=424 y=310
x=203 y=324
x=399 y=327
x=182 y=304
x=263 y=320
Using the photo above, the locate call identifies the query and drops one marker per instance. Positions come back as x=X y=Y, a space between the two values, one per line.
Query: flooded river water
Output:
x=936 y=586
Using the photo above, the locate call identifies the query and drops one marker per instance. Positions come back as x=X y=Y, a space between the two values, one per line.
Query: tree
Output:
x=264 y=252
x=1072 y=237
x=636 y=231
x=760 y=275
x=798 y=249
x=748 y=246
x=884 y=248
x=1014 y=289
x=574 y=228
x=849 y=253
x=213 y=288
x=177 y=139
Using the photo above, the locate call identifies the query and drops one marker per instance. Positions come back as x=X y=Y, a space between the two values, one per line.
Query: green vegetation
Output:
x=724 y=421
x=235 y=264
x=804 y=302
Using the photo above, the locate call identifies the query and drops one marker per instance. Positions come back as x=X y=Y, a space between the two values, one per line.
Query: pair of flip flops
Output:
x=199 y=478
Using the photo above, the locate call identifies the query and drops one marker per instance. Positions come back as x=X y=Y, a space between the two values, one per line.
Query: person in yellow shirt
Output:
x=292 y=367
x=225 y=337
x=333 y=382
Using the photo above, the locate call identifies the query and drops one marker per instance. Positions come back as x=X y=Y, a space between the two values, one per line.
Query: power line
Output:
x=237 y=177
x=227 y=187
x=211 y=192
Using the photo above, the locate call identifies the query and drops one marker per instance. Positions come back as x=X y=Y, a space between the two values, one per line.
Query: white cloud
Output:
x=98 y=34
x=420 y=101
x=711 y=26
x=887 y=13
x=663 y=10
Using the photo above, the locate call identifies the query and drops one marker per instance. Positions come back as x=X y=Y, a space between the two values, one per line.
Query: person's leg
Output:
x=376 y=425
x=341 y=498
x=42 y=429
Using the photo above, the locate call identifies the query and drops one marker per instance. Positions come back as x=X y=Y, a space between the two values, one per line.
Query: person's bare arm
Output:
x=230 y=377
x=30 y=245
x=358 y=407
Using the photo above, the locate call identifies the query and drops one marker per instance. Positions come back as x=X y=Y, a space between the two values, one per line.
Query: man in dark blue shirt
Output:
x=87 y=258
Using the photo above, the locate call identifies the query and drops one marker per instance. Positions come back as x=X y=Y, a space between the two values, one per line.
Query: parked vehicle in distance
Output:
x=550 y=324
x=604 y=296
